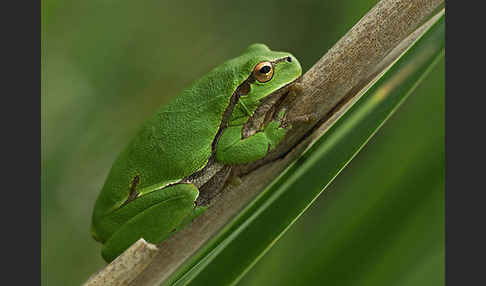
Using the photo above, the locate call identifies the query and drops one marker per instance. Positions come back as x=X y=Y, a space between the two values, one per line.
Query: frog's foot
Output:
x=281 y=117
x=154 y=217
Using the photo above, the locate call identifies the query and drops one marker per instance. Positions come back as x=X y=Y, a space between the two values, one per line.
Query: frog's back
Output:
x=175 y=142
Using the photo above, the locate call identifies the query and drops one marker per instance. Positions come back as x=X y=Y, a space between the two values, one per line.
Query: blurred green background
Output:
x=109 y=64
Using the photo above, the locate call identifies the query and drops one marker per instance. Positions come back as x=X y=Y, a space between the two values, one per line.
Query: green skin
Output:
x=143 y=195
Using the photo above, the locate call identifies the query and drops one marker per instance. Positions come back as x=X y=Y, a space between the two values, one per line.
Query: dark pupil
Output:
x=265 y=69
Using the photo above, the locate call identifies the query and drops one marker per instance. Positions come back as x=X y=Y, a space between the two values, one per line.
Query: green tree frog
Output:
x=148 y=192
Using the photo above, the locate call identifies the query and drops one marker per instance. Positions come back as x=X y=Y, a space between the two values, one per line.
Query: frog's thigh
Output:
x=167 y=209
x=234 y=150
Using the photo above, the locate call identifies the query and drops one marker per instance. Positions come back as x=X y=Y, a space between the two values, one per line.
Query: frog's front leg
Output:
x=233 y=149
x=154 y=217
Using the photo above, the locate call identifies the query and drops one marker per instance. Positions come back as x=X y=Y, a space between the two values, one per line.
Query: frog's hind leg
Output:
x=157 y=215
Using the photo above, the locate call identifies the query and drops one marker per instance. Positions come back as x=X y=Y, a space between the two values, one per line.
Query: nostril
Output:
x=289 y=59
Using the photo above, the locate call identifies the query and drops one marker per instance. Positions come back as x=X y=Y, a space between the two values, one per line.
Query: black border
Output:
x=465 y=117
x=21 y=110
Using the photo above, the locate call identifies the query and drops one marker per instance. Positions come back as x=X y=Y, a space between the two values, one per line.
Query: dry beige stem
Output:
x=126 y=267
x=350 y=65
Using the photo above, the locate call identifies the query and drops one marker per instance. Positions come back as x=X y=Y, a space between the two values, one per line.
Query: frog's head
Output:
x=269 y=70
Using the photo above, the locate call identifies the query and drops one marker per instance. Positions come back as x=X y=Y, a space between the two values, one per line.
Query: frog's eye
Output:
x=263 y=71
